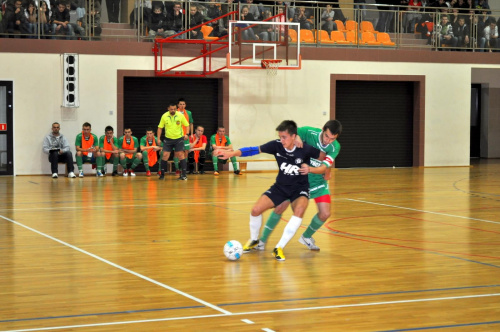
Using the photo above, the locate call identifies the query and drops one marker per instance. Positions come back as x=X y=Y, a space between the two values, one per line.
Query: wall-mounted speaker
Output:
x=71 y=97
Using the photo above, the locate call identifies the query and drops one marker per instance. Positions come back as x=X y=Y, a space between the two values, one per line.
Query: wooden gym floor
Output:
x=405 y=249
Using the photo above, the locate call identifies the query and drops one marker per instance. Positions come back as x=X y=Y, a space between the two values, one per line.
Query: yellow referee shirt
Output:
x=173 y=124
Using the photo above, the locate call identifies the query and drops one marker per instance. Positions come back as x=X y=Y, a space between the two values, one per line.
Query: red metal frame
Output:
x=206 y=51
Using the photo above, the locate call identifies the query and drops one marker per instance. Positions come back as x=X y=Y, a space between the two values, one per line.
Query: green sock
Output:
x=135 y=163
x=235 y=163
x=123 y=162
x=215 y=161
x=99 y=163
x=115 y=164
x=79 y=162
x=176 y=163
x=271 y=223
x=315 y=224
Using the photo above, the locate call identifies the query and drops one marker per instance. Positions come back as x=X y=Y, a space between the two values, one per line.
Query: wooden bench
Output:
x=244 y=162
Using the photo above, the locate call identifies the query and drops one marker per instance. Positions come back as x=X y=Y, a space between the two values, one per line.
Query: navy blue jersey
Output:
x=289 y=162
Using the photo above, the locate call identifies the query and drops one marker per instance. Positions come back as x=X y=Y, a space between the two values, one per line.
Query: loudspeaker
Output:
x=71 y=97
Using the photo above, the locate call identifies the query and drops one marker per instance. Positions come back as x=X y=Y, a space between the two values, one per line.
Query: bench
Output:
x=244 y=162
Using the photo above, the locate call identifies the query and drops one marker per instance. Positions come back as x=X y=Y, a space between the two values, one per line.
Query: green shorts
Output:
x=318 y=190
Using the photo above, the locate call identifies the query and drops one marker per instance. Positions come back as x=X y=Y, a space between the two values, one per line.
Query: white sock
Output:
x=255 y=224
x=290 y=230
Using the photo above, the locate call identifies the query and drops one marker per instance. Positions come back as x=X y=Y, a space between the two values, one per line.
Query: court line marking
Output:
x=248 y=321
x=119 y=267
x=93 y=207
x=443 y=326
x=423 y=211
x=256 y=312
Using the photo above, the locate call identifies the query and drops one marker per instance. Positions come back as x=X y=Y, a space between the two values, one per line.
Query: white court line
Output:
x=120 y=267
x=248 y=321
x=79 y=207
x=423 y=211
x=257 y=312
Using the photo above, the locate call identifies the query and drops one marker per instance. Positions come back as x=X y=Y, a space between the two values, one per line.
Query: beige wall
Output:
x=257 y=103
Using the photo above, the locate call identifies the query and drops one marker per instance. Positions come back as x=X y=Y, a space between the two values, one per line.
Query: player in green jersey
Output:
x=87 y=149
x=326 y=141
x=128 y=146
x=108 y=148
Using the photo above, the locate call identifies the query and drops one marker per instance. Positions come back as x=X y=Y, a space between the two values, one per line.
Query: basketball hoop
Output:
x=271 y=66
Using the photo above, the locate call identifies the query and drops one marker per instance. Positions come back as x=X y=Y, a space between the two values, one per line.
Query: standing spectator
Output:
x=412 y=15
x=113 y=7
x=462 y=32
x=490 y=37
x=172 y=121
x=128 y=145
x=57 y=147
x=444 y=32
x=108 y=148
x=60 y=21
x=386 y=13
x=149 y=149
x=253 y=9
x=87 y=146
x=359 y=10
x=197 y=153
x=220 y=141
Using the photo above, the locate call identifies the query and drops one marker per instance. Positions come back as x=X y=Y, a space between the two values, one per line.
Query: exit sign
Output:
x=3 y=127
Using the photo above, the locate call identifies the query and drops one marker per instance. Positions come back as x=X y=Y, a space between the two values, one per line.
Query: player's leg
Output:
x=235 y=166
x=179 y=153
x=123 y=162
x=272 y=221
x=79 y=162
x=264 y=203
x=167 y=148
x=201 y=161
x=54 y=159
x=191 y=162
x=215 y=162
x=100 y=163
x=145 y=161
x=135 y=162
x=299 y=206
x=321 y=195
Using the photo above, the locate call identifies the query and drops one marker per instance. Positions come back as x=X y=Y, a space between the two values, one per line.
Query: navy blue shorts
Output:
x=177 y=144
x=278 y=194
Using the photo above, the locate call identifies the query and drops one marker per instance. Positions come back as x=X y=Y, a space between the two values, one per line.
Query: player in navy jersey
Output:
x=291 y=183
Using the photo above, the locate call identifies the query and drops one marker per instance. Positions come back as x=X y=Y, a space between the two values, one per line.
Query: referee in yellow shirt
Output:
x=173 y=121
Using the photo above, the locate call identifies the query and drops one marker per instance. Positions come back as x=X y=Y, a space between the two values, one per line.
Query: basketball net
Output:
x=271 y=66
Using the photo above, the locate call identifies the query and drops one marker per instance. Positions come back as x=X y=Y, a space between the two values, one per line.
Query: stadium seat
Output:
x=340 y=25
x=324 y=38
x=292 y=34
x=367 y=26
x=351 y=25
x=339 y=38
x=385 y=39
x=368 y=38
x=351 y=36
x=206 y=30
x=306 y=36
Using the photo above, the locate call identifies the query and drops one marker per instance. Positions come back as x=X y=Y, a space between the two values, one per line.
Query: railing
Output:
x=406 y=27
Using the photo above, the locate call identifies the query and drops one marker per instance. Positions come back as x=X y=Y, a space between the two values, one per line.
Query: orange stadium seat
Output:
x=292 y=34
x=339 y=38
x=385 y=39
x=351 y=36
x=351 y=25
x=340 y=25
x=306 y=36
x=368 y=38
x=367 y=26
x=324 y=37
x=206 y=30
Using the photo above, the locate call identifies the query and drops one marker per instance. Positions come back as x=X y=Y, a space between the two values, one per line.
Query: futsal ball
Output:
x=233 y=250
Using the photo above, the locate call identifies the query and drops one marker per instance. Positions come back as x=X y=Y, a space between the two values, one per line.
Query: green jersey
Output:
x=144 y=141
x=311 y=136
x=213 y=142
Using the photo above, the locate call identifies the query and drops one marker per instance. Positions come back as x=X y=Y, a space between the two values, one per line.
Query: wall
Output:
x=256 y=104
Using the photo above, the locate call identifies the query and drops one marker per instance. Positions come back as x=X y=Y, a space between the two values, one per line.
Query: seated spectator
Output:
x=44 y=16
x=291 y=10
x=175 y=21
x=17 y=20
x=60 y=21
x=158 y=23
x=57 y=147
x=454 y=17
x=301 y=18
x=426 y=26
x=327 y=19
x=128 y=145
x=143 y=8
x=91 y=22
x=213 y=11
x=462 y=32
x=489 y=40
x=444 y=32
x=253 y=9
x=247 y=32
x=73 y=20
x=267 y=32
x=195 y=18
x=197 y=153
x=32 y=16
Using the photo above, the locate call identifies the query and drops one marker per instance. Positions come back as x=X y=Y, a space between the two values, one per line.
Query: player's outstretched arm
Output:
x=243 y=152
